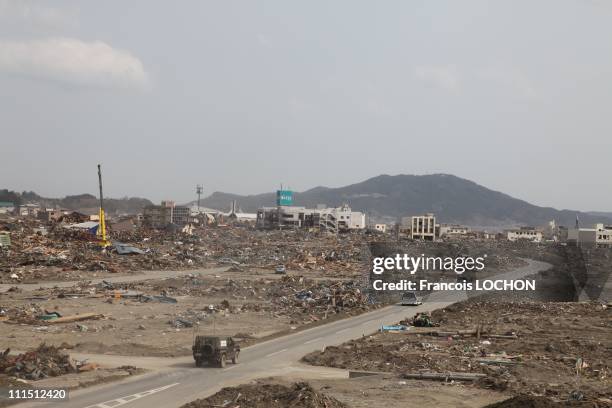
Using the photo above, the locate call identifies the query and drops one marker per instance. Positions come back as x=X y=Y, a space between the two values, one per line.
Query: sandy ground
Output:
x=365 y=392
x=134 y=328
x=538 y=348
x=392 y=392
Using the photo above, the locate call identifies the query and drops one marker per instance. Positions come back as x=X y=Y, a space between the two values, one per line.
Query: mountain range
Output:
x=451 y=198
x=383 y=198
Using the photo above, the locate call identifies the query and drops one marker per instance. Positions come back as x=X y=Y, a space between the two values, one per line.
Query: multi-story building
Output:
x=29 y=210
x=156 y=216
x=331 y=219
x=160 y=216
x=180 y=215
x=600 y=236
x=423 y=227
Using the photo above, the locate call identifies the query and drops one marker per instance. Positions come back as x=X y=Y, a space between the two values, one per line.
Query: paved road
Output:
x=180 y=382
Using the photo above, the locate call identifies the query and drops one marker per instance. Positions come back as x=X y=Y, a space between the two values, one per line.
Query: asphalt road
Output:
x=180 y=382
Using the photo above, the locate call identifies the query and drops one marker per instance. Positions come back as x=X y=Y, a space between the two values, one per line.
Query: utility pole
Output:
x=199 y=191
x=102 y=224
x=278 y=209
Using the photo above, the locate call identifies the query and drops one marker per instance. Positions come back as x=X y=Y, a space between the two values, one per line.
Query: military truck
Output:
x=215 y=351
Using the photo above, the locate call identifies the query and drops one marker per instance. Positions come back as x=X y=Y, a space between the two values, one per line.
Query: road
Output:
x=179 y=382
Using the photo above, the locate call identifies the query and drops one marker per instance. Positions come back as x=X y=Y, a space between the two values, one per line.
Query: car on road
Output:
x=410 y=299
x=280 y=269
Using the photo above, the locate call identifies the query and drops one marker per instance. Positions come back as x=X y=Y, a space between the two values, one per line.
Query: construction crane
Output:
x=102 y=226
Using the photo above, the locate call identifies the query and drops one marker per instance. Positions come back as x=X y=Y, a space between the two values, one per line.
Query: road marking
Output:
x=368 y=322
x=129 y=398
x=313 y=340
x=230 y=367
x=343 y=330
x=275 y=353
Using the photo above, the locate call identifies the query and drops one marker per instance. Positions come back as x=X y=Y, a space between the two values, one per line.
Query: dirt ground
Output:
x=365 y=392
x=137 y=319
x=268 y=394
x=394 y=392
x=558 y=350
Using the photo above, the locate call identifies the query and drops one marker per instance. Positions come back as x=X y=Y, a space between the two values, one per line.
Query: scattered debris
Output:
x=261 y=395
x=478 y=338
x=423 y=319
x=44 y=361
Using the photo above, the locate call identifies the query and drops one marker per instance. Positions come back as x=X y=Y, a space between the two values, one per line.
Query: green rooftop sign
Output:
x=284 y=197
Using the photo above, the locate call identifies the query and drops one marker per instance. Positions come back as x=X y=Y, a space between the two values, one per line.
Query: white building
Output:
x=381 y=227
x=6 y=207
x=29 y=210
x=524 y=233
x=331 y=219
x=346 y=218
x=601 y=235
x=423 y=227
x=453 y=230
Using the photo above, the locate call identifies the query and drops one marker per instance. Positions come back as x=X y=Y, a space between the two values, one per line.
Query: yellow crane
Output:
x=102 y=226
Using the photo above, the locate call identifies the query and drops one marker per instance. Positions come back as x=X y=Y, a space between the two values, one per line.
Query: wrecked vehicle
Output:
x=213 y=350
x=423 y=319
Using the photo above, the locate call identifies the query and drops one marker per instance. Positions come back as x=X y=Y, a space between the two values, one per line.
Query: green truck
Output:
x=215 y=351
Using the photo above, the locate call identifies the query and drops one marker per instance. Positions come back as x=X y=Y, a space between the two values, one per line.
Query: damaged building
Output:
x=335 y=219
x=453 y=230
x=167 y=213
x=599 y=236
x=423 y=227
x=524 y=233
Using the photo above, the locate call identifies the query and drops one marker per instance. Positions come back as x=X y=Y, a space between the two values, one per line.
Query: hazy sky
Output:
x=243 y=95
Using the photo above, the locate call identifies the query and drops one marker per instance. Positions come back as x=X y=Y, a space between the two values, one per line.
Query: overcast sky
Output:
x=243 y=95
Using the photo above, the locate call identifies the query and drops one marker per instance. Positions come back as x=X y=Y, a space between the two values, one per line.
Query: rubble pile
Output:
x=528 y=401
x=302 y=299
x=24 y=314
x=57 y=253
x=52 y=251
x=341 y=255
x=44 y=251
x=298 y=295
x=262 y=395
x=561 y=350
x=45 y=361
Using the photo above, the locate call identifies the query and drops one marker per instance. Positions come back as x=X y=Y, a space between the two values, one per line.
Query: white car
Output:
x=410 y=299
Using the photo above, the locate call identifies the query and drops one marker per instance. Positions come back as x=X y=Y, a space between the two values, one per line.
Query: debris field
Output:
x=558 y=350
x=265 y=395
